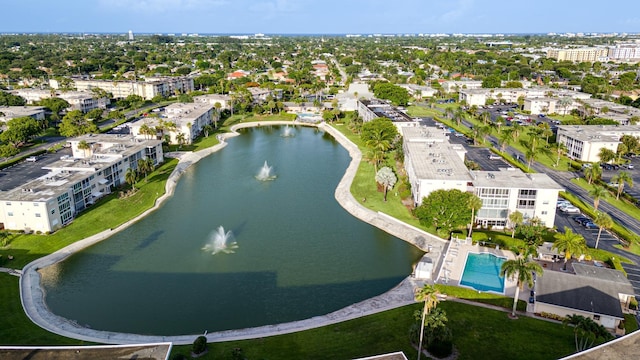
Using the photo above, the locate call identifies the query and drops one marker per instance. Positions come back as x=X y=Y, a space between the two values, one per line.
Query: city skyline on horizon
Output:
x=331 y=17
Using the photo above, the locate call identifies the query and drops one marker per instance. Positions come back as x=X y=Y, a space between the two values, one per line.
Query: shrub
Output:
x=551 y=316
x=200 y=345
x=440 y=349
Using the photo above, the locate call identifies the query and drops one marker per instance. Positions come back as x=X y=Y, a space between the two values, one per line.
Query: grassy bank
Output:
x=478 y=333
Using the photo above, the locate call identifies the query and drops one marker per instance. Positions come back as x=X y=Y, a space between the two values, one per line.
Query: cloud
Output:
x=163 y=5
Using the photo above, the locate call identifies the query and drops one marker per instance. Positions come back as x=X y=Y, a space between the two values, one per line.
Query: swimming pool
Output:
x=482 y=272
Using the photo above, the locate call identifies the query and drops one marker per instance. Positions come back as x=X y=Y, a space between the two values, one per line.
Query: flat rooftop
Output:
x=515 y=179
x=432 y=156
x=598 y=132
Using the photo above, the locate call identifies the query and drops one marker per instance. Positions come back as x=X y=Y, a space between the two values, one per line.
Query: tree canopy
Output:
x=446 y=210
x=388 y=91
x=75 y=124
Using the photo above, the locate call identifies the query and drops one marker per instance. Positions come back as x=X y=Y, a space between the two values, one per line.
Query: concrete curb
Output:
x=32 y=294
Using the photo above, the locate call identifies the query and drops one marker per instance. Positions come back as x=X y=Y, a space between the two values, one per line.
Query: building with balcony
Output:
x=182 y=122
x=433 y=163
x=73 y=183
x=148 y=89
x=591 y=54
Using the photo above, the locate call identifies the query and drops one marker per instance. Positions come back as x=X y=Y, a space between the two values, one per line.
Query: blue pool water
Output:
x=482 y=272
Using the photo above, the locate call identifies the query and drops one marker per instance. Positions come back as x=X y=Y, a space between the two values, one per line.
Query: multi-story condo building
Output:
x=186 y=122
x=583 y=142
x=579 y=55
x=148 y=89
x=73 y=183
x=374 y=108
x=433 y=163
x=84 y=101
x=625 y=52
x=11 y=112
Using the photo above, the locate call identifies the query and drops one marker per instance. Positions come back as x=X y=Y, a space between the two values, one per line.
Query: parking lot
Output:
x=25 y=171
x=590 y=235
x=609 y=173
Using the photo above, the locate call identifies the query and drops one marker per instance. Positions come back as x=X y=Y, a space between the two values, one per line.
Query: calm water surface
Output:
x=299 y=253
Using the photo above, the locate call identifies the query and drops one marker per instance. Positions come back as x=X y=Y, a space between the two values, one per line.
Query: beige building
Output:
x=148 y=89
x=73 y=183
x=579 y=55
x=84 y=101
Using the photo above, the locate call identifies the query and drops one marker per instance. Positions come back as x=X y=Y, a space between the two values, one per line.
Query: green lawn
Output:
x=478 y=333
x=15 y=327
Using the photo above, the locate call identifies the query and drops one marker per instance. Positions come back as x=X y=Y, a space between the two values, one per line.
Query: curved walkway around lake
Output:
x=32 y=294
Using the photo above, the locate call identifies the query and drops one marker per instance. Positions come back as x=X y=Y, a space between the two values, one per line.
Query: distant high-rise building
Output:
x=130 y=35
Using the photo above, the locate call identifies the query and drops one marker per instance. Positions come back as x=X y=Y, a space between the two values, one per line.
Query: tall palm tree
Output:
x=604 y=221
x=559 y=149
x=387 y=179
x=375 y=157
x=520 y=269
x=505 y=139
x=515 y=218
x=474 y=203
x=597 y=192
x=593 y=173
x=84 y=146
x=131 y=176
x=429 y=295
x=622 y=178
x=570 y=244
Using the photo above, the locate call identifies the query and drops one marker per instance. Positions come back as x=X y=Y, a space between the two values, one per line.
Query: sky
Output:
x=319 y=16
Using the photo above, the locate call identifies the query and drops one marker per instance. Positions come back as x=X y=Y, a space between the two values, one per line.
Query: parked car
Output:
x=494 y=157
x=630 y=166
x=591 y=225
x=570 y=210
x=580 y=218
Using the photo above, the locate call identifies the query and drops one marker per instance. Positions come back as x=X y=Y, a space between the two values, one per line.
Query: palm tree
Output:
x=586 y=331
x=386 y=178
x=474 y=203
x=485 y=117
x=84 y=146
x=622 y=178
x=570 y=244
x=559 y=149
x=603 y=221
x=515 y=218
x=606 y=155
x=522 y=270
x=597 y=192
x=505 y=139
x=530 y=155
x=180 y=137
x=131 y=176
x=145 y=166
x=429 y=295
x=206 y=129
x=593 y=173
x=375 y=157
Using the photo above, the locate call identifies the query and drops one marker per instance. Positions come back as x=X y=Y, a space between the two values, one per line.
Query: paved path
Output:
x=33 y=297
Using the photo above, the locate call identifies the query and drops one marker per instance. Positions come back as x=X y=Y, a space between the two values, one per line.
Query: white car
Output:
x=570 y=210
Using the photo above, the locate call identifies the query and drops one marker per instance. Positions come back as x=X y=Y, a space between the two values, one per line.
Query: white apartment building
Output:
x=583 y=142
x=625 y=52
x=479 y=97
x=75 y=182
x=433 y=163
x=223 y=100
x=457 y=85
x=84 y=101
x=188 y=118
x=420 y=91
x=148 y=89
x=11 y=112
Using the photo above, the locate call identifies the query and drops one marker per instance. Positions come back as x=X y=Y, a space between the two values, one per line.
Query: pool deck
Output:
x=456 y=257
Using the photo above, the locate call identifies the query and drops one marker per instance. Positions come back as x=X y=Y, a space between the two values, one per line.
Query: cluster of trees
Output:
x=430 y=329
x=18 y=132
x=8 y=99
x=398 y=96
